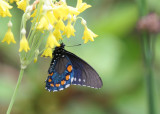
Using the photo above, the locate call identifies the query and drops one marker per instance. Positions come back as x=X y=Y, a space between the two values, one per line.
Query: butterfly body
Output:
x=68 y=69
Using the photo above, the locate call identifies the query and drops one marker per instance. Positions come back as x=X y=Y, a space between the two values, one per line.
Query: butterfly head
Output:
x=62 y=45
x=59 y=51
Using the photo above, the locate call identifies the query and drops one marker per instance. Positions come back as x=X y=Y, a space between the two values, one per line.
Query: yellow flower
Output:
x=11 y=1
x=60 y=11
x=52 y=19
x=43 y=23
x=88 y=35
x=69 y=30
x=22 y=4
x=72 y=11
x=9 y=37
x=51 y=41
x=35 y=12
x=48 y=16
x=24 y=44
x=35 y=59
x=57 y=34
x=82 y=6
x=47 y=52
x=36 y=55
x=60 y=25
x=4 y=9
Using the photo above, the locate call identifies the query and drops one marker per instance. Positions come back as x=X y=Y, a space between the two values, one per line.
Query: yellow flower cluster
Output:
x=57 y=14
x=55 y=17
x=4 y=12
x=4 y=9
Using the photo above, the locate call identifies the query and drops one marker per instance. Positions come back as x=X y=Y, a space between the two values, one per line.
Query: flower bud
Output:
x=83 y=22
x=37 y=52
x=29 y=8
x=9 y=24
x=149 y=23
x=69 y=17
x=23 y=31
x=36 y=55
x=28 y=15
x=35 y=59
x=45 y=7
x=74 y=18
x=50 y=27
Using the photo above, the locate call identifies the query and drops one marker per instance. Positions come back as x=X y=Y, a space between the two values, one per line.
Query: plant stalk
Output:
x=15 y=91
x=148 y=48
x=148 y=53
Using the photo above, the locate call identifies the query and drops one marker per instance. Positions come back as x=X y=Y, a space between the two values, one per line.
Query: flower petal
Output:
x=24 y=44
x=22 y=4
x=88 y=35
x=69 y=30
x=9 y=37
x=51 y=41
x=47 y=53
x=4 y=9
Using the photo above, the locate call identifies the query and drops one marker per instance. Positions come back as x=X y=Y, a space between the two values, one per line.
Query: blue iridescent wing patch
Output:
x=68 y=69
x=59 y=79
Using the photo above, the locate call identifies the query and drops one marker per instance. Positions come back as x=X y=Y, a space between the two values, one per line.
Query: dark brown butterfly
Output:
x=68 y=69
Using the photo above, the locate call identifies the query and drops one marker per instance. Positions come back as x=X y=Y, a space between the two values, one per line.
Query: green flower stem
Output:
x=15 y=91
x=148 y=51
x=148 y=48
x=148 y=54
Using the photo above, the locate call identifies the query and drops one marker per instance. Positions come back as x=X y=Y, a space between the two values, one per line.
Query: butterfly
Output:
x=68 y=69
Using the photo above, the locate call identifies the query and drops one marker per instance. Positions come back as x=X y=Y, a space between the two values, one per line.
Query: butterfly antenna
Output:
x=74 y=45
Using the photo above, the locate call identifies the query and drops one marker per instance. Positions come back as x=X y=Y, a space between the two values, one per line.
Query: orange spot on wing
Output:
x=69 y=68
x=49 y=80
x=67 y=77
x=63 y=82
x=51 y=74
x=57 y=85
x=52 y=85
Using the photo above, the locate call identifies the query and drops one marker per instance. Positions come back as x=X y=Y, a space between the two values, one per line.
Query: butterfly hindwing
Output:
x=84 y=74
x=60 y=74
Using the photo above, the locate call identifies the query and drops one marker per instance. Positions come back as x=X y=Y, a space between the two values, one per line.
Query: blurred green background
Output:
x=116 y=55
